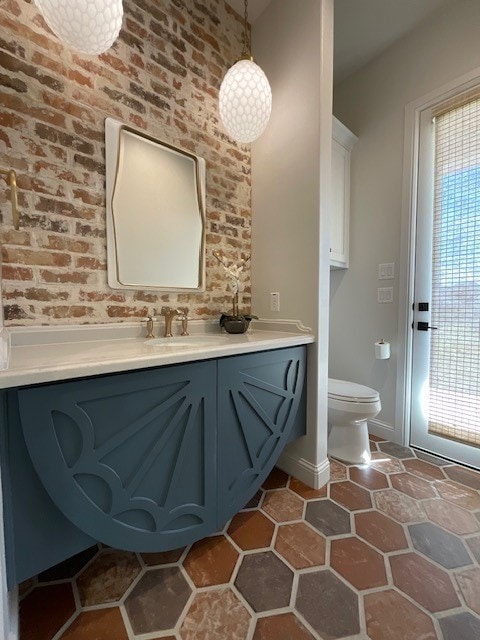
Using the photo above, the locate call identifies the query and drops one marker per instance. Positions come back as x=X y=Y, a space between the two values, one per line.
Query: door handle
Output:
x=424 y=326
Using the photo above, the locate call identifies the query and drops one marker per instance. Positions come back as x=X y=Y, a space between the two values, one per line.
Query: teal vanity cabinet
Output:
x=147 y=460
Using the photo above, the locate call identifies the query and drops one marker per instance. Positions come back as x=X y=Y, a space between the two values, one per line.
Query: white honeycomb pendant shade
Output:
x=88 y=26
x=245 y=101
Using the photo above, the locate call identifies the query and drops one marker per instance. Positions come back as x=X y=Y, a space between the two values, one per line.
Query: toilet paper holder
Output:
x=382 y=350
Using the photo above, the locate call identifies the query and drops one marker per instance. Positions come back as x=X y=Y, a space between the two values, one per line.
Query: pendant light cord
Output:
x=247 y=42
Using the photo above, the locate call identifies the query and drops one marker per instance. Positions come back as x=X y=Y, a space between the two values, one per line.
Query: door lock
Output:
x=424 y=326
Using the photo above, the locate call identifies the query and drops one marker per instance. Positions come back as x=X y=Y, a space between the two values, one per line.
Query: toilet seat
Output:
x=351 y=392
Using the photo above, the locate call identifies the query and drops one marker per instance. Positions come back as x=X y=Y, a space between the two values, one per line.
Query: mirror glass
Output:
x=155 y=213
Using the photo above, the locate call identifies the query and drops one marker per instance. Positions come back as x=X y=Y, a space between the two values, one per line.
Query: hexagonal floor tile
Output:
x=328 y=605
x=329 y=518
x=358 y=563
x=350 y=495
x=157 y=600
x=108 y=577
x=103 y=624
x=45 y=610
x=285 y=626
x=380 y=531
x=451 y=517
x=462 y=626
x=464 y=476
x=381 y=461
x=412 y=485
x=251 y=530
x=390 y=616
x=459 y=494
x=162 y=557
x=282 y=505
x=211 y=561
x=264 y=581
x=216 y=615
x=474 y=544
x=338 y=471
x=398 y=506
x=276 y=479
x=440 y=546
x=306 y=492
x=425 y=583
x=300 y=545
x=395 y=450
x=469 y=583
x=424 y=469
x=368 y=477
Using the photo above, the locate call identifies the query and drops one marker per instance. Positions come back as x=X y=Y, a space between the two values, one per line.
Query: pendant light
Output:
x=88 y=26
x=245 y=95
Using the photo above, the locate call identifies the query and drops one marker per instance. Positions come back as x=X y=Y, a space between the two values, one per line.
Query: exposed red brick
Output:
x=28 y=256
x=16 y=273
x=162 y=75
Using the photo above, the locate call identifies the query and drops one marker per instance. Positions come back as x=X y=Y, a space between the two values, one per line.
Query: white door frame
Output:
x=413 y=112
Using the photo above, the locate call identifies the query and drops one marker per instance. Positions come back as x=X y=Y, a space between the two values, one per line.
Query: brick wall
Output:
x=162 y=75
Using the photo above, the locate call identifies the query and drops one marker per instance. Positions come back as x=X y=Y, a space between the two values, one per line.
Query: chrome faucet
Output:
x=169 y=314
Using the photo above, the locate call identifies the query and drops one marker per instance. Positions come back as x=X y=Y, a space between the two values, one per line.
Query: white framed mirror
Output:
x=155 y=213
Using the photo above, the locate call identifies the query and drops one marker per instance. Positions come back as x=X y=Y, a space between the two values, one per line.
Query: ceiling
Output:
x=363 y=28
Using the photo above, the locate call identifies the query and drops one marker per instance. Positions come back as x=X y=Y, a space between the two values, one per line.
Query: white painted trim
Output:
x=381 y=429
x=413 y=111
x=314 y=475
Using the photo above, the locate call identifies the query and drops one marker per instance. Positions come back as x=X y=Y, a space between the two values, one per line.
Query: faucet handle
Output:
x=165 y=311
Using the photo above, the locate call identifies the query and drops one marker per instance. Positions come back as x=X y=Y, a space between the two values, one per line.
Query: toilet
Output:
x=350 y=405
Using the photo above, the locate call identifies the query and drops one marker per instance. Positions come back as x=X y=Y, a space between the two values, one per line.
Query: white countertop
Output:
x=34 y=355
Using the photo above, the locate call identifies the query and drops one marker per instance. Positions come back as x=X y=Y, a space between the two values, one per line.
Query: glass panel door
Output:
x=446 y=354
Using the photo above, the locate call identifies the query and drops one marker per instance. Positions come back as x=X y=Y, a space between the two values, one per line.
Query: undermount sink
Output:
x=188 y=342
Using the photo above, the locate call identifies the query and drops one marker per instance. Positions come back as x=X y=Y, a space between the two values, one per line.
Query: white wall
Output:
x=290 y=197
x=372 y=104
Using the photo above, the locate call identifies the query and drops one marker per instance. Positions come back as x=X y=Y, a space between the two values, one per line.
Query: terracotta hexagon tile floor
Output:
x=264 y=581
x=451 y=517
x=351 y=496
x=368 y=477
x=412 y=486
x=283 y=505
x=300 y=545
x=285 y=626
x=459 y=494
x=398 y=506
x=390 y=616
x=425 y=583
x=380 y=531
x=358 y=563
x=251 y=530
x=211 y=561
x=387 y=551
x=107 y=578
x=216 y=615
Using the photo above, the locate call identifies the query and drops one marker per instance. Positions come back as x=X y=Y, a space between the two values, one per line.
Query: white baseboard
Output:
x=382 y=430
x=313 y=475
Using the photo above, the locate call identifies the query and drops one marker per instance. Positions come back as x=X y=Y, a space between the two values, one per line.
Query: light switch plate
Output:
x=385 y=295
x=386 y=271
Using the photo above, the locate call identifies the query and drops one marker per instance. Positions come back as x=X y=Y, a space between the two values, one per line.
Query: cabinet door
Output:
x=258 y=400
x=130 y=458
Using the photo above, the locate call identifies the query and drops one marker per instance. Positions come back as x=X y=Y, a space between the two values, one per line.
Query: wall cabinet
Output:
x=146 y=460
x=342 y=144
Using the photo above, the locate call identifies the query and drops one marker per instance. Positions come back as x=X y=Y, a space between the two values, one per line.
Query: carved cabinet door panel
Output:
x=129 y=458
x=259 y=396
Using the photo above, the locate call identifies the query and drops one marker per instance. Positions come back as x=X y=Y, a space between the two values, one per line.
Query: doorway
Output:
x=445 y=372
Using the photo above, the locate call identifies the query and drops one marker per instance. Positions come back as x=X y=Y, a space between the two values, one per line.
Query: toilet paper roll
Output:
x=382 y=350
